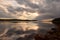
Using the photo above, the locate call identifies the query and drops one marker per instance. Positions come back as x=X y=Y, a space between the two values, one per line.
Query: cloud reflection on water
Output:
x=28 y=9
x=26 y=26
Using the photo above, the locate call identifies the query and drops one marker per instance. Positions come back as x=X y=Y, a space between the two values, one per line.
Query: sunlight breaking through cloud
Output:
x=28 y=15
x=29 y=9
x=15 y=5
x=44 y=10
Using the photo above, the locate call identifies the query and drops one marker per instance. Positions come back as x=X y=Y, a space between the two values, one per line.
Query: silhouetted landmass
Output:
x=15 y=20
x=56 y=21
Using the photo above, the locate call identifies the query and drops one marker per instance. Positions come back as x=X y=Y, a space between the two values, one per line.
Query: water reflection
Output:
x=21 y=29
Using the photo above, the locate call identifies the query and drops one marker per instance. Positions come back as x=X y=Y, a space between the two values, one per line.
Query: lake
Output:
x=14 y=30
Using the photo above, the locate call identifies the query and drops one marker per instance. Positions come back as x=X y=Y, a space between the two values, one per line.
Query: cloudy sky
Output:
x=30 y=9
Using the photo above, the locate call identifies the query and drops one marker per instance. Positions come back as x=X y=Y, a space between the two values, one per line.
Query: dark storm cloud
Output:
x=51 y=7
x=20 y=9
x=28 y=3
x=3 y=14
x=50 y=10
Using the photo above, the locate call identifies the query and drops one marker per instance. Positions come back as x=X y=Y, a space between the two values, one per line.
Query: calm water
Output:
x=23 y=28
x=33 y=27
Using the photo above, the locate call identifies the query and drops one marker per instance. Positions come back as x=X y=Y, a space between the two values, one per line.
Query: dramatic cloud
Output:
x=28 y=9
x=18 y=9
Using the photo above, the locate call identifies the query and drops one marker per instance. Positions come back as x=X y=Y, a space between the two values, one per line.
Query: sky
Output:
x=30 y=9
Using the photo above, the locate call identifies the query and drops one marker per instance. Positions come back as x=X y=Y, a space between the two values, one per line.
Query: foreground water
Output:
x=20 y=29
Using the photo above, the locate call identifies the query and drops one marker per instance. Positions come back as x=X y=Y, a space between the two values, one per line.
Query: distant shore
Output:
x=15 y=20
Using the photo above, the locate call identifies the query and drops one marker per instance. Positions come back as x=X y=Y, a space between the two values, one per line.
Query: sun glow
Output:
x=28 y=15
x=19 y=15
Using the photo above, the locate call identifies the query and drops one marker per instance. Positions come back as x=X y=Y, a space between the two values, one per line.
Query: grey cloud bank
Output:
x=28 y=9
x=41 y=9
